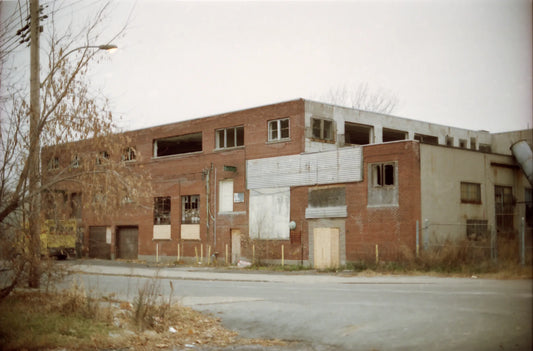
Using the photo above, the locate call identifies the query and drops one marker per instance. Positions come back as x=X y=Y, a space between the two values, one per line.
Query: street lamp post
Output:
x=35 y=144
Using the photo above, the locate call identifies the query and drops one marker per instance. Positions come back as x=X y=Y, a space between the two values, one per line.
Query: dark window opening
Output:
x=473 y=143
x=102 y=157
x=529 y=207
x=357 y=134
x=462 y=143
x=190 y=209
x=383 y=174
x=162 y=210
x=129 y=154
x=393 y=135
x=427 y=139
x=177 y=145
x=449 y=140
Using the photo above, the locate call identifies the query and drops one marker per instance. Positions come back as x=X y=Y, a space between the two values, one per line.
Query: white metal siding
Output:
x=339 y=166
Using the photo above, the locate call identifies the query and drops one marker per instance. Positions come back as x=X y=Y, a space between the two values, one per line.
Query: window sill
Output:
x=286 y=140
x=231 y=213
x=229 y=148
x=155 y=158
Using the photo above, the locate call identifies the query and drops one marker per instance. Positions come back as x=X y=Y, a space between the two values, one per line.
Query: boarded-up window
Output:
x=177 y=145
x=329 y=197
x=270 y=213
x=225 y=195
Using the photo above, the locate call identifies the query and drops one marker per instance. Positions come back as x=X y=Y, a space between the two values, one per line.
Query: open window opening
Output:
x=383 y=174
x=427 y=139
x=177 y=145
x=357 y=134
x=393 y=135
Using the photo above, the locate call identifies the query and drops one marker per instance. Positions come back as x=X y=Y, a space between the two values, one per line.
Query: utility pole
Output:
x=35 y=150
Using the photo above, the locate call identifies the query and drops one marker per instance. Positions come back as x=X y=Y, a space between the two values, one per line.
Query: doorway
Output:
x=326 y=247
x=127 y=242
x=235 y=245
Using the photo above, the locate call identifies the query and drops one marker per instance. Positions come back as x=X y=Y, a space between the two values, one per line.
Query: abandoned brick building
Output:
x=311 y=183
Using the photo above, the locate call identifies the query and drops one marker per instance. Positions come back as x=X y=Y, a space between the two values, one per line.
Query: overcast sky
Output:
x=464 y=63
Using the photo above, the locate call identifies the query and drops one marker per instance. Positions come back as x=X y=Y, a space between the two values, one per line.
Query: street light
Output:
x=107 y=47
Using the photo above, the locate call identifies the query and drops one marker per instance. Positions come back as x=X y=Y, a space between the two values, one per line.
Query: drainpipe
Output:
x=524 y=156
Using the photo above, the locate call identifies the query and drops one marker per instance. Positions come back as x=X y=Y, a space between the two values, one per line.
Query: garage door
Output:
x=98 y=243
x=127 y=242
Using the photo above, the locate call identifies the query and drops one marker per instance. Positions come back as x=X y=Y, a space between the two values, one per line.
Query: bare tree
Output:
x=70 y=111
x=362 y=98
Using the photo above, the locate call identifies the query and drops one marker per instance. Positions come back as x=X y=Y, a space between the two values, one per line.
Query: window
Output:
x=53 y=164
x=485 y=148
x=162 y=210
x=427 y=139
x=393 y=135
x=229 y=137
x=462 y=143
x=102 y=157
x=449 y=140
x=75 y=205
x=322 y=129
x=226 y=195
x=278 y=129
x=177 y=145
x=473 y=143
x=470 y=193
x=129 y=154
x=383 y=174
x=504 y=203
x=477 y=229
x=190 y=209
x=357 y=134
x=75 y=163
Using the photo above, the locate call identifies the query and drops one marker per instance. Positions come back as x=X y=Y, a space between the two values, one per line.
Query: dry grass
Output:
x=75 y=320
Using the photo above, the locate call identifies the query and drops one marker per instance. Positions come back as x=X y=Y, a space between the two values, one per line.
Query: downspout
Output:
x=524 y=156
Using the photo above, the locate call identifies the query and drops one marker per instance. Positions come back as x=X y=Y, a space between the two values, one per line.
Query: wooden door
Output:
x=235 y=245
x=326 y=247
x=127 y=242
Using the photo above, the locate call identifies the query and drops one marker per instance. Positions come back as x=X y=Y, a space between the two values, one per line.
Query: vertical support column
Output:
x=417 y=238
x=426 y=234
x=522 y=241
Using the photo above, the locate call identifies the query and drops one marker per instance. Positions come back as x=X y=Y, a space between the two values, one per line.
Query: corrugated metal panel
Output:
x=339 y=166
x=326 y=212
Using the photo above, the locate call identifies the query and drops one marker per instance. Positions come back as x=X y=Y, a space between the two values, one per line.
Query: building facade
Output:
x=311 y=183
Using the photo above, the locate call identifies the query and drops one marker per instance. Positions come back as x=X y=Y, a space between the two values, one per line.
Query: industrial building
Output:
x=312 y=183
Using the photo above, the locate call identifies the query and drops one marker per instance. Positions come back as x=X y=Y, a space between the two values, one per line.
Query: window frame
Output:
x=129 y=154
x=469 y=196
x=225 y=134
x=190 y=204
x=322 y=131
x=279 y=130
x=102 y=157
x=161 y=213
x=53 y=163
x=381 y=175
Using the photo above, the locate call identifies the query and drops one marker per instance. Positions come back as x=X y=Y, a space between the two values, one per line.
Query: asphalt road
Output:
x=328 y=312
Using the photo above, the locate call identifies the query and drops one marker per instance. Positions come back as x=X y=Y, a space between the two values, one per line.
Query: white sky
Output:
x=464 y=63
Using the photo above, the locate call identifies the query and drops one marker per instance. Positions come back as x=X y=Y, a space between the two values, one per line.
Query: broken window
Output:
x=229 y=137
x=357 y=134
x=162 y=210
x=470 y=193
x=427 y=139
x=278 y=129
x=129 y=154
x=102 y=157
x=322 y=129
x=75 y=205
x=53 y=163
x=75 y=163
x=393 y=135
x=477 y=229
x=190 y=209
x=383 y=174
x=176 y=145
